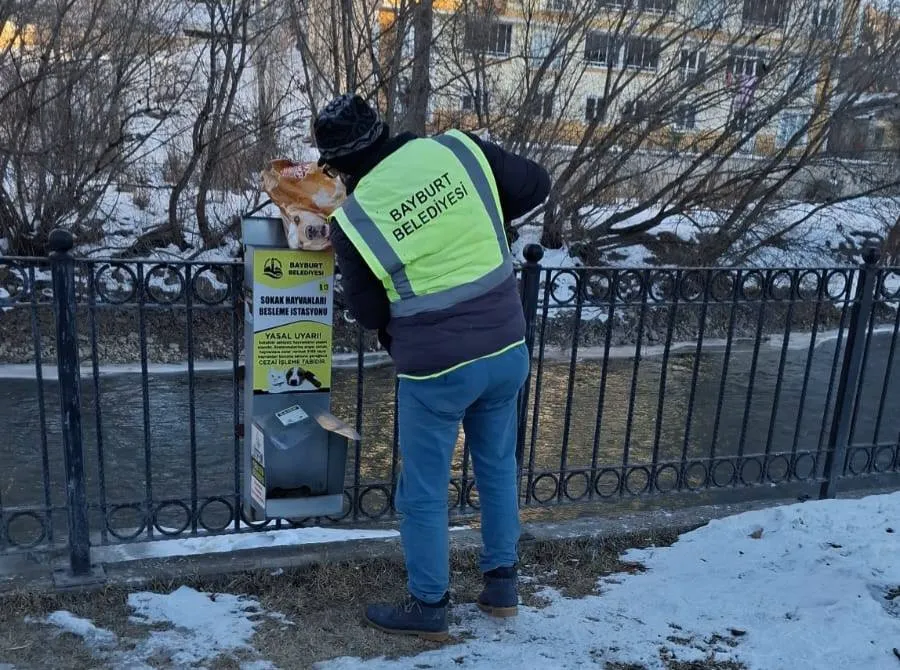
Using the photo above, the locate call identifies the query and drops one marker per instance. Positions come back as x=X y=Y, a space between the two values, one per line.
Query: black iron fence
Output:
x=693 y=384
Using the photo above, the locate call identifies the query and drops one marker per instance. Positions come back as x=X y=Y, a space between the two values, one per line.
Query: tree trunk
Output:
x=266 y=115
x=420 y=84
x=892 y=244
x=347 y=25
x=392 y=115
x=336 y=26
x=265 y=104
x=552 y=234
x=225 y=90
x=174 y=197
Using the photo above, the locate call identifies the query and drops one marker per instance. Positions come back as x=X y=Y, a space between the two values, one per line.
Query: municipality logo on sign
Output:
x=272 y=268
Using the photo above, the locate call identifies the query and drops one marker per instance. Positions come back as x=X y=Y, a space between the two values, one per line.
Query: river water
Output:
x=656 y=422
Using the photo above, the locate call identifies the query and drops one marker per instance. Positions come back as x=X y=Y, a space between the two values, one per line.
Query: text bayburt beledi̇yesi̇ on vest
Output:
x=426 y=206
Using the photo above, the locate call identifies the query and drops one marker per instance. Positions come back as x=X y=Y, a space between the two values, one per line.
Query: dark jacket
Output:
x=430 y=342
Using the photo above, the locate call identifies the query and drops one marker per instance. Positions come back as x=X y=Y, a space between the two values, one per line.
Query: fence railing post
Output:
x=841 y=424
x=530 y=291
x=63 y=272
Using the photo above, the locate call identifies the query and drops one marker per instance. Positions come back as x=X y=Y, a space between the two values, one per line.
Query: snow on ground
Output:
x=892 y=285
x=808 y=586
x=129 y=214
x=216 y=544
x=50 y=371
x=814 y=232
x=205 y=625
x=796 y=341
x=816 y=237
x=564 y=283
x=199 y=627
x=83 y=628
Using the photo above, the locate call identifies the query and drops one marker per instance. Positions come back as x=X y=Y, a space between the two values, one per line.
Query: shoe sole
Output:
x=424 y=635
x=499 y=612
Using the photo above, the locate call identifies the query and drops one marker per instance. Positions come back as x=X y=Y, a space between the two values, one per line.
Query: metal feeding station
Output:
x=295 y=451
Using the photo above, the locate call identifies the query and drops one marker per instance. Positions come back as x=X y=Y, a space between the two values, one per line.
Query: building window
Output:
x=635 y=110
x=686 y=117
x=642 y=52
x=789 y=126
x=599 y=49
x=802 y=74
x=559 y=5
x=543 y=41
x=769 y=13
x=825 y=20
x=469 y=103
x=655 y=6
x=692 y=63
x=595 y=109
x=745 y=62
x=491 y=38
x=541 y=106
x=711 y=13
x=659 y=6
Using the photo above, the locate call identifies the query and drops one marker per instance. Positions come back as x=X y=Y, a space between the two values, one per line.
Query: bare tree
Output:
x=336 y=39
x=74 y=109
x=227 y=52
x=643 y=110
x=382 y=52
x=650 y=109
x=245 y=93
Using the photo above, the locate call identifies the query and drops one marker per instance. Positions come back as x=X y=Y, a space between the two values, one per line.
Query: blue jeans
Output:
x=482 y=395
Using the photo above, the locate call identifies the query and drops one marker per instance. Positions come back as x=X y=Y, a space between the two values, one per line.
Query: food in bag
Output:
x=306 y=197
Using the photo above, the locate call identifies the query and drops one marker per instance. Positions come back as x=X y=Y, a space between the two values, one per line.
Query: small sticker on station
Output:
x=258 y=467
x=291 y=415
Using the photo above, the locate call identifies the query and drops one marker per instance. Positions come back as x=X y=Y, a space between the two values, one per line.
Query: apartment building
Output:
x=870 y=127
x=486 y=57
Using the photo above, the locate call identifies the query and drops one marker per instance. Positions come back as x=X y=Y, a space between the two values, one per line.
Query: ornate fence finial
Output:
x=60 y=241
x=533 y=253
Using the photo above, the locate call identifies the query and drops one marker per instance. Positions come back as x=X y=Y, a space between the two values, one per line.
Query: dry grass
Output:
x=324 y=601
x=27 y=645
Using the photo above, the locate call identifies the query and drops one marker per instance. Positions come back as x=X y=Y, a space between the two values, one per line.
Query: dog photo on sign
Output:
x=293 y=377
x=306 y=197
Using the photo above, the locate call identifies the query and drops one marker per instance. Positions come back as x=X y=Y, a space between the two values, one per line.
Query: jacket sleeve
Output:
x=363 y=294
x=522 y=183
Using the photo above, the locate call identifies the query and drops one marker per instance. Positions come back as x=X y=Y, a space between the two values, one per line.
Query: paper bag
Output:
x=306 y=197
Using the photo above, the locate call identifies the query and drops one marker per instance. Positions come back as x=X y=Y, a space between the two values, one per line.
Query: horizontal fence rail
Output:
x=124 y=417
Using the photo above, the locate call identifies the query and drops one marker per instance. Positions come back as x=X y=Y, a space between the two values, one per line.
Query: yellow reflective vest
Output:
x=427 y=221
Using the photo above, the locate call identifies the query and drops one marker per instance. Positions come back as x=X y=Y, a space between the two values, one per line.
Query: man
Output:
x=423 y=256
